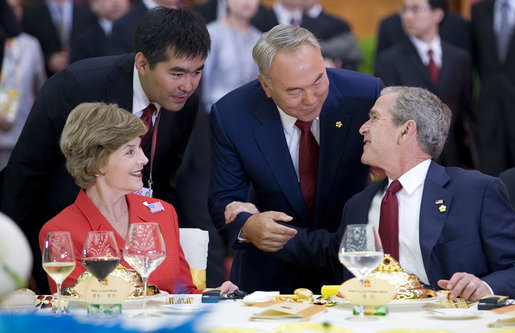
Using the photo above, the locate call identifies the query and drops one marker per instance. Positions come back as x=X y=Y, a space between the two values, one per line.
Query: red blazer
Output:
x=173 y=275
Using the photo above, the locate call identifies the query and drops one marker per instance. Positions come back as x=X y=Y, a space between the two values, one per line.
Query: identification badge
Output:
x=146 y=192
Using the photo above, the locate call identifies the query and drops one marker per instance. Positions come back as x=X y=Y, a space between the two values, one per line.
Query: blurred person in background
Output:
x=9 y=25
x=94 y=40
x=425 y=60
x=122 y=34
x=22 y=75
x=493 y=23
x=55 y=23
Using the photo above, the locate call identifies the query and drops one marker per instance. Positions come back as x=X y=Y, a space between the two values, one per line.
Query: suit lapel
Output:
x=334 y=128
x=434 y=209
x=120 y=79
x=417 y=64
x=445 y=70
x=270 y=139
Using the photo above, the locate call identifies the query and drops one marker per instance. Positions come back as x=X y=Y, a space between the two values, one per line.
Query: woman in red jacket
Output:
x=101 y=144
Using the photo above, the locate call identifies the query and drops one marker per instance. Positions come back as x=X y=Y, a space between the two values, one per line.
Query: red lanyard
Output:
x=153 y=150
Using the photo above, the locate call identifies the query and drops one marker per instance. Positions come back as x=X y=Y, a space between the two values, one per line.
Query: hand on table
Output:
x=264 y=233
x=466 y=286
x=228 y=287
x=234 y=208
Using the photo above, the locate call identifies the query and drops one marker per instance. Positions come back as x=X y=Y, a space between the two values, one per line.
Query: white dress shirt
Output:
x=284 y=16
x=409 y=198
x=497 y=14
x=422 y=48
x=139 y=99
x=292 y=136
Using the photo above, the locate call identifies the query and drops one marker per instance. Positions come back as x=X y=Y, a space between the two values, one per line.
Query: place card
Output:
x=373 y=293
x=113 y=291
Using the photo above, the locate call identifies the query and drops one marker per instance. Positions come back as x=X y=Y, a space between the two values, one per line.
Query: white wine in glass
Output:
x=360 y=251
x=58 y=259
x=144 y=250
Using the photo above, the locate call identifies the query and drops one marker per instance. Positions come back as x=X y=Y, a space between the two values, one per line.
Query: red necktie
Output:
x=308 y=163
x=147 y=119
x=433 y=69
x=389 y=220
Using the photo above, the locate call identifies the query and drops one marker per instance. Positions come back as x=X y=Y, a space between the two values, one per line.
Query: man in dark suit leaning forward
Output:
x=256 y=145
x=163 y=74
x=456 y=228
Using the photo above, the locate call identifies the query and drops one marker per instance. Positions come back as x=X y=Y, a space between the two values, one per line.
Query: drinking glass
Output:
x=100 y=255
x=144 y=250
x=58 y=259
x=360 y=251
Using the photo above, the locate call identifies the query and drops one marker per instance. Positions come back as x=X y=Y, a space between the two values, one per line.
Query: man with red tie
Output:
x=157 y=83
x=453 y=228
x=289 y=141
x=425 y=60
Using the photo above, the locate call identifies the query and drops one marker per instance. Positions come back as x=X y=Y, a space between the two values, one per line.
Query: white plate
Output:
x=454 y=313
x=182 y=308
x=132 y=301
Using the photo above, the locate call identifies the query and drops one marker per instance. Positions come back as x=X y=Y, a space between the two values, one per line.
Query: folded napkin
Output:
x=194 y=243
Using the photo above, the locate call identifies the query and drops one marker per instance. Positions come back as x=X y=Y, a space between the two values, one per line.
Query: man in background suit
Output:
x=122 y=35
x=453 y=29
x=456 y=228
x=256 y=148
x=496 y=117
x=55 y=23
x=409 y=64
x=164 y=73
x=9 y=26
x=94 y=41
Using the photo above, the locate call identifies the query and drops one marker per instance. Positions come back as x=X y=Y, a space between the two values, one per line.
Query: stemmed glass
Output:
x=144 y=250
x=361 y=251
x=58 y=259
x=100 y=255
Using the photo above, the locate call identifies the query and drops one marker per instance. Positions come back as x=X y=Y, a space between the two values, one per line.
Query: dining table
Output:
x=235 y=316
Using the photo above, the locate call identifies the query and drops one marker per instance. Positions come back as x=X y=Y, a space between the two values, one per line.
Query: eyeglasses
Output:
x=414 y=9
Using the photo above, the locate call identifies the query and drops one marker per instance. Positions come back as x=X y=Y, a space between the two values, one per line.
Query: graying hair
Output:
x=282 y=37
x=432 y=116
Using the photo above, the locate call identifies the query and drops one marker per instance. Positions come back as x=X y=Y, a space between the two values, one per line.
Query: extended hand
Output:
x=234 y=208
x=265 y=234
x=466 y=286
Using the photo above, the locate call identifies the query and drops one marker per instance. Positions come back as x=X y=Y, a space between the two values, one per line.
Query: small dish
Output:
x=454 y=314
x=182 y=308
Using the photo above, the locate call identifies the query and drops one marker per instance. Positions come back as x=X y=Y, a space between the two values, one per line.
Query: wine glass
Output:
x=100 y=255
x=58 y=259
x=361 y=251
x=144 y=250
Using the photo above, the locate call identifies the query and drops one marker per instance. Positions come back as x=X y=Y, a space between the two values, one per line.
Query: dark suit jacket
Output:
x=207 y=10
x=9 y=26
x=91 y=43
x=497 y=96
x=508 y=178
x=36 y=185
x=325 y=26
x=476 y=233
x=122 y=35
x=401 y=65
x=38 y=23
x=453 y=29
x=249 y=150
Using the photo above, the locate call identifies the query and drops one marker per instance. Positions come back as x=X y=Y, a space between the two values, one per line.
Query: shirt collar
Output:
x=414 y=177
x=106 y=25
x=139 y=98
x=284 y=16
x=422 y=48
x=288 y=121
x=315 y=11
x=150 y=4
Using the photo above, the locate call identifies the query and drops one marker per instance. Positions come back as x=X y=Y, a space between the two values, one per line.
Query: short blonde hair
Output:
x=93 y=131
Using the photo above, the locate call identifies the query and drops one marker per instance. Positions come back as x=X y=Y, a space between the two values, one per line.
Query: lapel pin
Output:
x=155 y=207
x=442 y=208
x=338 y=124
x=439 y=202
